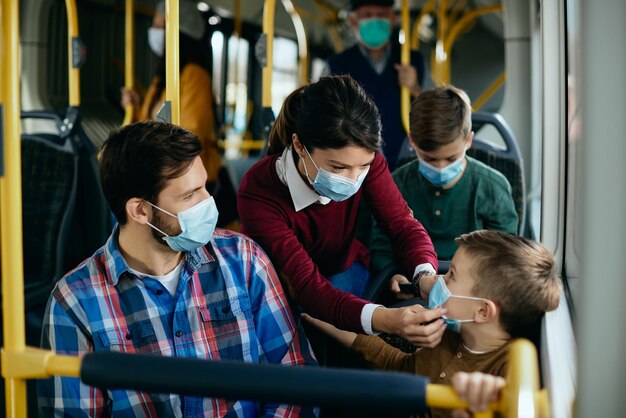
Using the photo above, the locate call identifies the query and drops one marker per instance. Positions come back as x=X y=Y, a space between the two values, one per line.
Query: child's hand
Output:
x=394 y=284
x=477 y=389
x=346 y=338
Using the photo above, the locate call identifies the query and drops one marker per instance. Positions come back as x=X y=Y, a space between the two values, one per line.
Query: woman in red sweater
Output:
x=300 y=204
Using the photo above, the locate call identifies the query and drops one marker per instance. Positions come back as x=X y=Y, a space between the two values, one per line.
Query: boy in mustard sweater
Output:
x=498 y=287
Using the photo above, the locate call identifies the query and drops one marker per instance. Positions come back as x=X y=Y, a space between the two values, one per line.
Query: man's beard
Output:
x=159 y=222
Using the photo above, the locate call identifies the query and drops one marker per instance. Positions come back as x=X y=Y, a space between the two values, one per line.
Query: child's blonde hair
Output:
x=439 y=117
x=517 y=274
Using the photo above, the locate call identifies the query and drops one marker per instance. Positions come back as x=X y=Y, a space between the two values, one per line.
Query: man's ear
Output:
x=138 y=210
x=488 y=311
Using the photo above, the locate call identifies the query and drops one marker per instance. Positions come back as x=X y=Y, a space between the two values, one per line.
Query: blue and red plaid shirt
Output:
x=229 y=304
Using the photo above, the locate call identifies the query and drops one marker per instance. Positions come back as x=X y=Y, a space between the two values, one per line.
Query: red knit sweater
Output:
x=318 y=241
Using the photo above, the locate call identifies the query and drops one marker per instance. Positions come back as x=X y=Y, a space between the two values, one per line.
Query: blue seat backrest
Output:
x=507 y=160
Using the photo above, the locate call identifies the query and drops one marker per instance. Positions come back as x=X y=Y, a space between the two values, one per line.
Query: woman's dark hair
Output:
x=331 y=113
x=138 y=160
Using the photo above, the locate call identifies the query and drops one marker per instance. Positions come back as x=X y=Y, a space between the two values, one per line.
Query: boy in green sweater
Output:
x=450 y=193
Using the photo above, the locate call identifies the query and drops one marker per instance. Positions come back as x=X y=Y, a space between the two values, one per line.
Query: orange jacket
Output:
x=196 y=112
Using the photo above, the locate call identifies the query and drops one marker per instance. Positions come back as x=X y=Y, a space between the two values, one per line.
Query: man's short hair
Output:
x=138 y=160
x=439 y=117
x=355 y=4
x=517 y=274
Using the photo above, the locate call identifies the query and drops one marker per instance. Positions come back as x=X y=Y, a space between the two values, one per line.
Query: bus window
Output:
x=317 y=66
x=236 y=91
x=573 y=102
x=285 y=71
x=217 y=48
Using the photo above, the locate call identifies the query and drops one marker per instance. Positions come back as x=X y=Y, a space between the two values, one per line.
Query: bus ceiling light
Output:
x=203 y=7
x=214 y=20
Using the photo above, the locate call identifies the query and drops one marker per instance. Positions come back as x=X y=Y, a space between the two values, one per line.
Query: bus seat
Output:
x=507 y=160
x=90 y=223
x=237 y=167
x=49 y=179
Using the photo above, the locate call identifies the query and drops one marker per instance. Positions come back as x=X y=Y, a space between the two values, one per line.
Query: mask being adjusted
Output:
x=441 y=176
x=374 y=32
x=196 y=223
x=439 y=295
x=156 y=40
x=334 y=186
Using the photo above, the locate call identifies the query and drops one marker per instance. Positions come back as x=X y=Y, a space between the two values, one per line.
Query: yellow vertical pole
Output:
x=303 y=50
x=74 y=72
x=11 y=206
x=129 y=56
x=405 y=59
x=441 y=55
x=521 y=396
x=172 y=71
x=269 y=8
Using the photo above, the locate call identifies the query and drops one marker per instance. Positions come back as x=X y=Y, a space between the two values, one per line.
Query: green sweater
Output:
x=481 y=199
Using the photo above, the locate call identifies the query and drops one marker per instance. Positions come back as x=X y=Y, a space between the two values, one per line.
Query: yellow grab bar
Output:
x=489 y=91
x=520 y=397
x=172 y=72
x=269 y=9
x=405 y=59
x=73 y=47
x=415 y=35
x=303 y=53
x=11 y=205
x=129 y=56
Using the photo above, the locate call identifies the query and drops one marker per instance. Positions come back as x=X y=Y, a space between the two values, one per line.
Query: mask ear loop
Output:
x=162 y=210
x=304 y=164
x=463 y=297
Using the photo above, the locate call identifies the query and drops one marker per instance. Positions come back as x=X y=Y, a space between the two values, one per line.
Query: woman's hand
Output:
x=477 y=389
x=130 y=97
x=420 y=326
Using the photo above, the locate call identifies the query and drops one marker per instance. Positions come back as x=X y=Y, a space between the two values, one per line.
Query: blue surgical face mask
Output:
x=374 y=32
x=156 y=40
x=441 y=176
x=439 y=295
x=334 y=186
x=196 y=223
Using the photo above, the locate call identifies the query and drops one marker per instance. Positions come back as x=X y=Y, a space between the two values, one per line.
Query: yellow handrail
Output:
x=467 y=20
x=446 y=40
x=269 y=9
x=74 y=71
x=415 y=35
x=521 y=395
x=11 y=207
x=129 y=56
x=303 y=50
x=172 y=72
x=489 y=91
x=405 y=59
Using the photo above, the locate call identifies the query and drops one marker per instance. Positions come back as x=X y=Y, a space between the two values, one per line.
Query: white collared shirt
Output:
x=302 y=197
x=301 y=194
